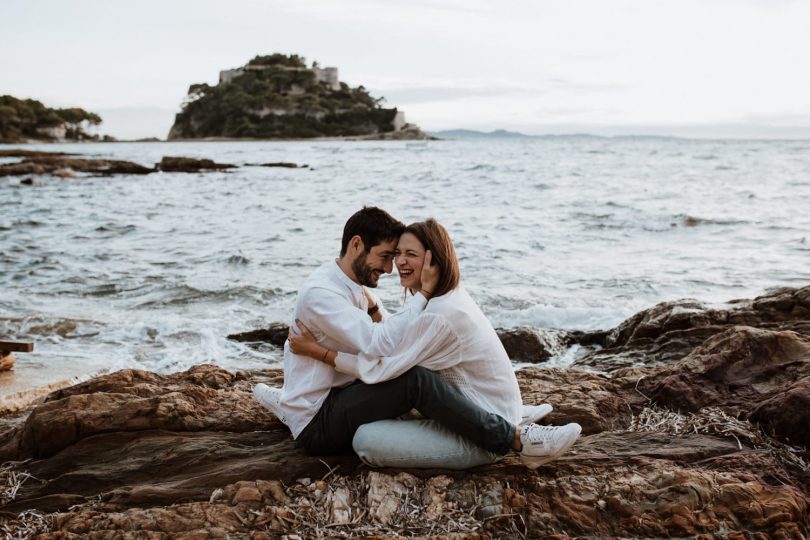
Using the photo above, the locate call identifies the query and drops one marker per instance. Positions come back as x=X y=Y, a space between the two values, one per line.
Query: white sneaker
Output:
x=532 y=413
x=542 y=444
x=270 y=399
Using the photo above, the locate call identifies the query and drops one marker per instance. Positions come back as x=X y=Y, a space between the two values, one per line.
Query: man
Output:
x=323 y=407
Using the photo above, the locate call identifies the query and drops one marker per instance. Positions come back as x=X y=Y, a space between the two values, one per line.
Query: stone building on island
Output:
x=328 y=75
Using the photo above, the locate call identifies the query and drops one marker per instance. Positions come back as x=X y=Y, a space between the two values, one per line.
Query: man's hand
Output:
x=377 y=316
x=430 y=276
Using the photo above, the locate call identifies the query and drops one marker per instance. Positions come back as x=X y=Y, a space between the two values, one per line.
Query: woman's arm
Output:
x=304 y=344
x=352 y=328
x=429 y=341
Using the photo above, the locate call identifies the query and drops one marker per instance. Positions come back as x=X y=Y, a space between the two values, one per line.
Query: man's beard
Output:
x=364 y=272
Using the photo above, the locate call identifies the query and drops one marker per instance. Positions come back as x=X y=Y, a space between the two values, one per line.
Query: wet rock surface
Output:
x=532 y=345
x=275 y=334
x=67 y=166
x=745 y=371
x=186 y=164
x=7 y=361
x=704 y=443
x=669 y=331
x=19 y=152
x=38 y=163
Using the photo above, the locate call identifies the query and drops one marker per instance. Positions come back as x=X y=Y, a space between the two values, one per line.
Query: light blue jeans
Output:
x=418 y=444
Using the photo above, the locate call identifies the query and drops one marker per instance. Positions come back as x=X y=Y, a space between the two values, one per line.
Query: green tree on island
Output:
x=23 y=119
x=277 y=96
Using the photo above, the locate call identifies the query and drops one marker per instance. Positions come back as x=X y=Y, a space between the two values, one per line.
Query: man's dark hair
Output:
x=373 y=225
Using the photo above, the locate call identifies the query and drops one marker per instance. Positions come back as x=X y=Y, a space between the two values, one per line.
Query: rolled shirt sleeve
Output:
x=353 y=329
x=429 y=341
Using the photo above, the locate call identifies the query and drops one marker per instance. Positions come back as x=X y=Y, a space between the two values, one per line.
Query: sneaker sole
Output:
x=533 y=462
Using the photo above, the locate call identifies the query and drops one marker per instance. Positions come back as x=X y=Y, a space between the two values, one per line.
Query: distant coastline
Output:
x=439 y=135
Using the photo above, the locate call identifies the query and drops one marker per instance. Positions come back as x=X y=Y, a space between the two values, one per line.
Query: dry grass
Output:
x=25 y=525
x=11 y=480
x=714 y=421
x=309 y=513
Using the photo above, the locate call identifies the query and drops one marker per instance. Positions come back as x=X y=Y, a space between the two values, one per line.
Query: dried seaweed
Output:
x=11 y=480
x=25 y=525
x=715 y=421
x=311 y=517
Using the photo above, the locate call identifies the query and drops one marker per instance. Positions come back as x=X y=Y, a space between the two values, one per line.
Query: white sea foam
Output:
x=155 y=271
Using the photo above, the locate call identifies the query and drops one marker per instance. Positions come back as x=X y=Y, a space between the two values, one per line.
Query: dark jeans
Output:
x=346 y=409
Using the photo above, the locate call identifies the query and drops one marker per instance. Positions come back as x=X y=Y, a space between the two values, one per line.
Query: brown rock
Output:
x=741 y=370
x=787 y=412
x=186 y=164
x=624 y=485
x=247 y=493
x=65 y=166
x=276 y=334
x=594 y=401
x=18 y=152
x=532 y=345
x=203 y=398
x=670 y=331
x=6 y=361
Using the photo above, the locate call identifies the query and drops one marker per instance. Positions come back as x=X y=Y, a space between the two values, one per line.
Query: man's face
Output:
x=368 y=267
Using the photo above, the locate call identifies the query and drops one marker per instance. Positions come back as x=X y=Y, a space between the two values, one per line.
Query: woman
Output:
x=452 y=337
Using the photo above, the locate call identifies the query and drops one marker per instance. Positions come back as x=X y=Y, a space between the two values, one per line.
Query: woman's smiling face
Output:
x=410 y=255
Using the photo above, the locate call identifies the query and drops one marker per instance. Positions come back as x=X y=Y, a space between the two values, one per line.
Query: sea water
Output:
x=154 y=271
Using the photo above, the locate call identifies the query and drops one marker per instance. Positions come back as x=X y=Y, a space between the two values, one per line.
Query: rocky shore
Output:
x=695 y=423
x=59 y=164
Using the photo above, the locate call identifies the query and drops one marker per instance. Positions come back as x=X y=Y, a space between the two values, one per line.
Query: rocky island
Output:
x=28 y=120
x=278 y=97
x=696 y=422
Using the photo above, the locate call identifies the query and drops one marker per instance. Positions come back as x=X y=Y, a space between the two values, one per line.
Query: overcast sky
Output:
x=737 y=68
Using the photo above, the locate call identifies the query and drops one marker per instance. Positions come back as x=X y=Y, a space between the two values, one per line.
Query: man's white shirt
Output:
x=334 y=308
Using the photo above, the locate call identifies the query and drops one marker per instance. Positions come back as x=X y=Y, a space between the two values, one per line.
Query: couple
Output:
x=351 y=369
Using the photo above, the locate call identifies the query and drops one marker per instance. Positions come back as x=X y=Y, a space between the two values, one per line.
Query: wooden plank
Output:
x=16 y=346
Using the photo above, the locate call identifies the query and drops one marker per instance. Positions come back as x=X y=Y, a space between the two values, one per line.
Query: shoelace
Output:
x=536 y=431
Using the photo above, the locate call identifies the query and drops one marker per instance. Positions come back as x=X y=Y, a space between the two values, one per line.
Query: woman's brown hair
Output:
x=434 y=237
